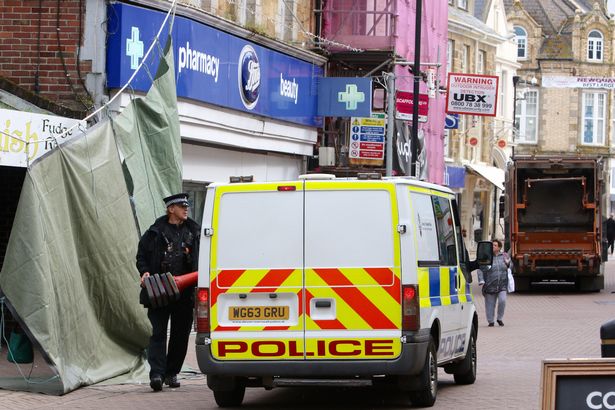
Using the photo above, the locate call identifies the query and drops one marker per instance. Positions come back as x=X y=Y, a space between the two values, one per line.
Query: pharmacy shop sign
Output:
x=472 y=94
x=26 y=136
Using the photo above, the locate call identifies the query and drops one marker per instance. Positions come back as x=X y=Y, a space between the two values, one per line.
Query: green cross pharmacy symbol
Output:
x=352 y=97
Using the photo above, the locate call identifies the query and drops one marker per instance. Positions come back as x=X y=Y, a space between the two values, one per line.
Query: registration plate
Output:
x=258 y=313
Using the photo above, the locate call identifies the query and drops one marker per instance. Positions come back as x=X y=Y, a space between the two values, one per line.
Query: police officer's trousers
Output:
x=163 y=363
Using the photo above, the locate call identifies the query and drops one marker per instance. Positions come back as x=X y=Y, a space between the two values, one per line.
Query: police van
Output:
x=328 y=281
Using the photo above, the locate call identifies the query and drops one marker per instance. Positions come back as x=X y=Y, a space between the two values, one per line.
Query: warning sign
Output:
x=367 y=137
x=472 y=94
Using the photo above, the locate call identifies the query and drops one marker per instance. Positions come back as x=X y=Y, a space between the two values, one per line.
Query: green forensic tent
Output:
x=69 y=274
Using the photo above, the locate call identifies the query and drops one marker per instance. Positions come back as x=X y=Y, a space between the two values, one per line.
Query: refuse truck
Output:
x=555 y=220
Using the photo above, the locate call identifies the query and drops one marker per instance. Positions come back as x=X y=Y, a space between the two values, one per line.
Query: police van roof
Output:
x=329 y=178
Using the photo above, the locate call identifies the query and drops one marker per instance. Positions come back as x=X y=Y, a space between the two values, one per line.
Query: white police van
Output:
x=327 y=281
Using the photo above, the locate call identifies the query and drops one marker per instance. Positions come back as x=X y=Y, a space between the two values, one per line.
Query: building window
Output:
x=526 y=117
x=503 y=93
x=465 y=59
x=287 y=9
x=450 y=52
x=247 y=12
x=482 y=56
x=594 y=46
x=594 y=109
x=463 y=4
x=521 y=39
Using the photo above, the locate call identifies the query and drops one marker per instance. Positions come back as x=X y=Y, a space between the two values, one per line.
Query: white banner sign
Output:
x=578 y=82
x=472 y=94
x=31 y=135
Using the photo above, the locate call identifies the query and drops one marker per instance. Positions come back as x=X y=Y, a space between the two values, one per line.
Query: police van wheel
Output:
x=426 y=397
x=230 y=398
x=468 y=365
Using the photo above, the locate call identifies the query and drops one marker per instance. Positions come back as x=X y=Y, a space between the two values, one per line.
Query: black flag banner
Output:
x=402 y=148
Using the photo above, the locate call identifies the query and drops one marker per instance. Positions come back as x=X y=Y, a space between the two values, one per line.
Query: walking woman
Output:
x=494 y=281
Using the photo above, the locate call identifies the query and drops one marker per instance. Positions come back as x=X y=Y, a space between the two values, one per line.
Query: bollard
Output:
x=607 y=334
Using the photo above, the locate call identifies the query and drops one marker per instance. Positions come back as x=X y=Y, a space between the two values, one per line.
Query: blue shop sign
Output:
x=345 y=97
x=451 y=122
x=213 y=66
x=454 y=177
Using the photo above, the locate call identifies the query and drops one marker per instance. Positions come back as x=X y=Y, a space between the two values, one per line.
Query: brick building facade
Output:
x=39 y=50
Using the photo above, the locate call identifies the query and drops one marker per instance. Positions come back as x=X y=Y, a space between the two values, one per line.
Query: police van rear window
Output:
x=348 y=228
x=260 y=230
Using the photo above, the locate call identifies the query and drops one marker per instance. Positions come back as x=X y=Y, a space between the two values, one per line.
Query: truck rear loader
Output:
x=554 y=220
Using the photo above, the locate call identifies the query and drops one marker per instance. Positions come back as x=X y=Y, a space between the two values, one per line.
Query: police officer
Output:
x=171 y=244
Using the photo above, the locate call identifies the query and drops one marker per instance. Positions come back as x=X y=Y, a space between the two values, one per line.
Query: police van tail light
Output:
x=202 y=310
x=411 y=316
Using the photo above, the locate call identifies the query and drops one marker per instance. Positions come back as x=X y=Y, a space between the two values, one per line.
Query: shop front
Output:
x=244 y=108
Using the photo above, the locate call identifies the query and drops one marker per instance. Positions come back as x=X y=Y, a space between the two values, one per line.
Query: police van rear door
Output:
x=257 y=272
x=352 y=271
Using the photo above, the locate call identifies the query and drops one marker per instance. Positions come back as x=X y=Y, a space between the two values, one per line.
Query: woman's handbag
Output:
x=511 y=282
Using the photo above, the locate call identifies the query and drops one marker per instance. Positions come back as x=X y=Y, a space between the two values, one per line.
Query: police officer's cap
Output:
x=177 y=199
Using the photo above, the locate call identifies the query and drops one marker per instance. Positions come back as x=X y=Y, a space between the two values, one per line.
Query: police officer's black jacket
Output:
x=169 y=248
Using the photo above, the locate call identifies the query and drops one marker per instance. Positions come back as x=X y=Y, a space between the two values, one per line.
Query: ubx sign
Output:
x=344 y=97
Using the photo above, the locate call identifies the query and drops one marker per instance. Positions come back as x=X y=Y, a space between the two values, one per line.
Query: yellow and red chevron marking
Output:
x=365 y=298
x=253 y=281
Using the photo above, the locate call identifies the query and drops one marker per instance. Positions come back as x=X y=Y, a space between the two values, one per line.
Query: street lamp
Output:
x=515 y=79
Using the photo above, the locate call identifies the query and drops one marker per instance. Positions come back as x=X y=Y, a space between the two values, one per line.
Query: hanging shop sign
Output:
x=472 y=94
x=607 y=83
x=212 y=66
x=454 y=177
x=344 y=97
x=404 y=106
x=451 y=122
x=367 y=137
x=26 y=136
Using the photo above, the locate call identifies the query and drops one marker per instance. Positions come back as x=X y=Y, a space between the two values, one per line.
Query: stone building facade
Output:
x=565 y=95
x=563 y=41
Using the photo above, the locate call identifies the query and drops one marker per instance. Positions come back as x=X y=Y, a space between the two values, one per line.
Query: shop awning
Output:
x=492 y=174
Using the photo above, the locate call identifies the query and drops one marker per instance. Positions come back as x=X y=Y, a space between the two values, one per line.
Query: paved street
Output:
x=550 y=324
